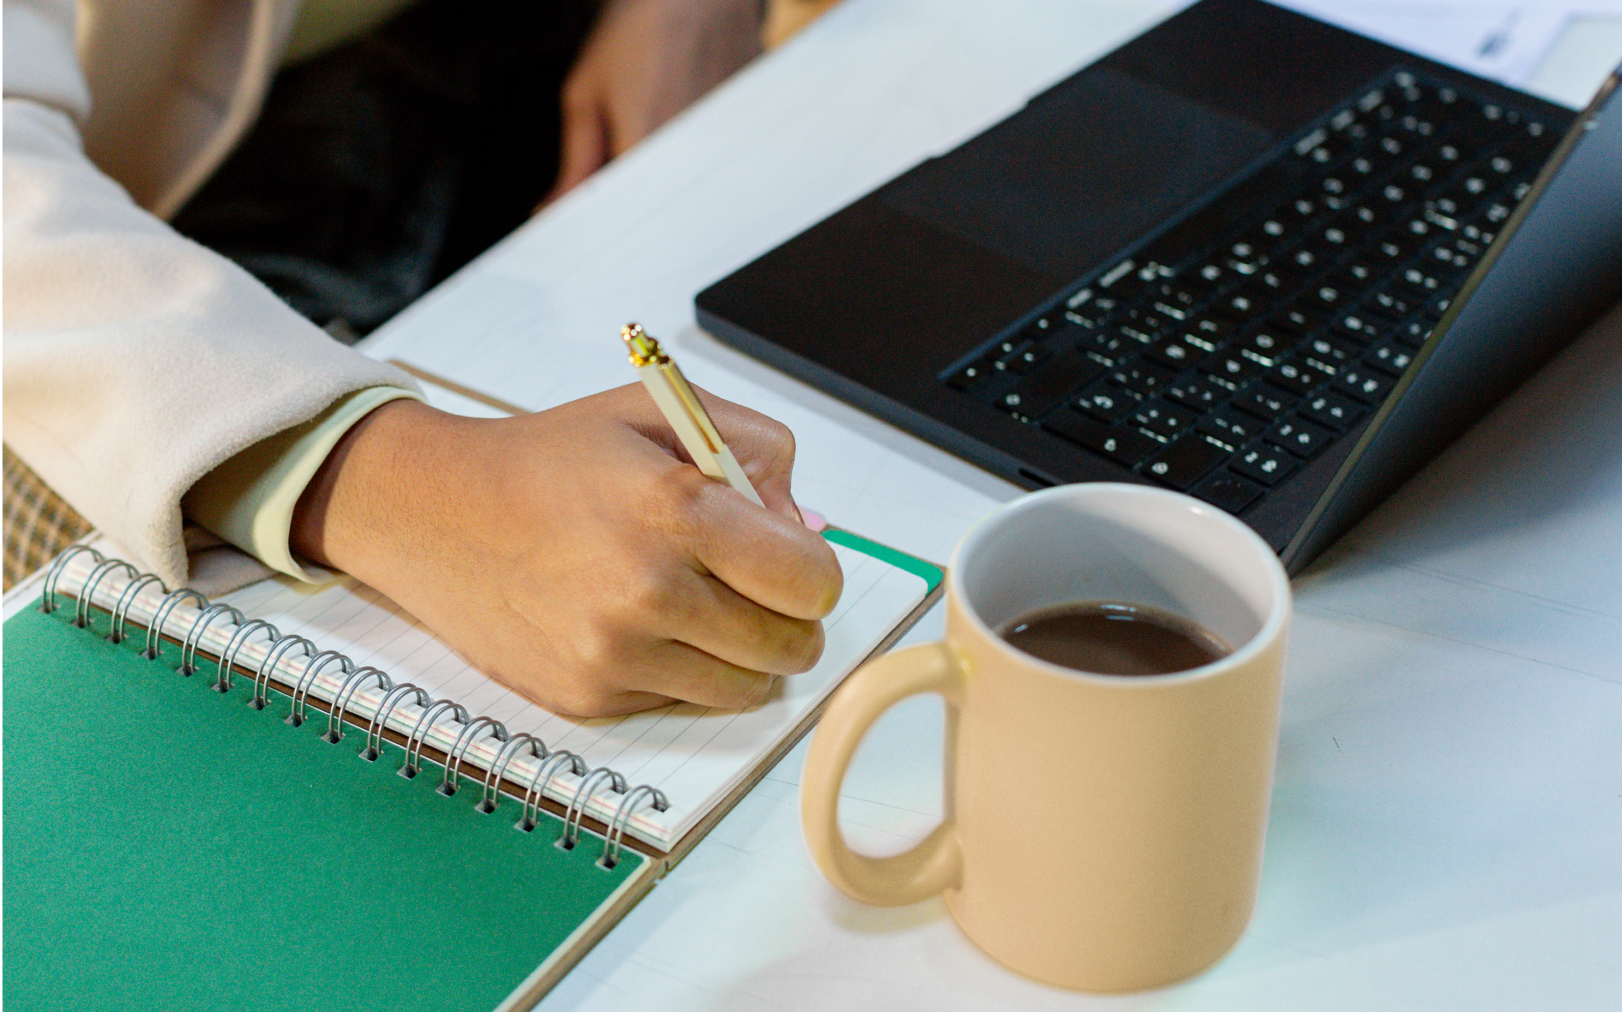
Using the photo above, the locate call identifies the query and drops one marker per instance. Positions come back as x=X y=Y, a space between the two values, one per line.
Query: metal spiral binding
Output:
x=490 y=795
x=576 y=812
x=194 y=635
x=126 y=601
x=306 y=682
x=464 y=741
x=340 y=702
x=239 y=639
x=552 y=763
x=154 y=628
x=47 y=597
x=622 y=818
x=374 y=748
x=415 y=740
x=81 y=612
x=537 y=785
x=261 y=678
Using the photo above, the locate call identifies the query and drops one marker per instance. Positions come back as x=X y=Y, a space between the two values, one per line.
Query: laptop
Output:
x=1248 y=255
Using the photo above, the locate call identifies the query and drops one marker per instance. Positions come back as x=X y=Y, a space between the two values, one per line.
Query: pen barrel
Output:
x=678 y=402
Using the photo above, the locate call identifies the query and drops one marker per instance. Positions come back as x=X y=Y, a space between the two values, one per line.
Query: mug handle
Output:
x=936 y=863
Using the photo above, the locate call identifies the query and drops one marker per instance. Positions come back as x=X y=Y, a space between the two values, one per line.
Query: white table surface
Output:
x=1447 y=820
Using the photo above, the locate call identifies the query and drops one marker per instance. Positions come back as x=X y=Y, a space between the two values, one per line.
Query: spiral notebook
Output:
x=293 y=796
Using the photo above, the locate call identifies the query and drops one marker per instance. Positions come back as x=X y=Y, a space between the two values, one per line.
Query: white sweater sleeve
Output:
x=136 y=361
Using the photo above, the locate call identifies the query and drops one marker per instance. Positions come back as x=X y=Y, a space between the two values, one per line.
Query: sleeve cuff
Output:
x=249 y=499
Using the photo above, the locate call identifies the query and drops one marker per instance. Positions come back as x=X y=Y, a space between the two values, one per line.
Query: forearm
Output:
x=136 y=362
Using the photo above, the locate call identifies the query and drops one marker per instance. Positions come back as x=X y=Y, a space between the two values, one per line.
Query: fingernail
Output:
x=814 y=521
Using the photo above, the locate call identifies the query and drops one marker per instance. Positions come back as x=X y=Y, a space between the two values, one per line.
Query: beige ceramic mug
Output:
x=1101 y=832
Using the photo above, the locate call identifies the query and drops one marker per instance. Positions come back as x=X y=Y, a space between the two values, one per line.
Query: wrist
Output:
x=355 y=498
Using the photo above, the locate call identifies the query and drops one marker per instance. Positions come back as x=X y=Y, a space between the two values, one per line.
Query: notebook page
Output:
x=695 y=755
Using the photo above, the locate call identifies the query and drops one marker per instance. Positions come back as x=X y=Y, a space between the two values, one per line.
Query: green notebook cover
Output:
x=169 y=847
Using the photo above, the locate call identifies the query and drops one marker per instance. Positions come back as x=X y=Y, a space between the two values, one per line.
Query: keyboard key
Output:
x=1327 y=296
x=1266 y=345
x=1147 y=321
x=1131 y=333
x=1199 y=394
x=1106 y=403
x=1214 y=329
x=1329 y=353
x=1414 y=333
x=1264 y=400
x=1170 y=296
x=1358 y=328
x=1369 y=215
x=1230 y=427
x=1419 y=282
x=1120 y=444
x=1043 y=327
x=1141 y=377
x=1093 y=313
x=1005 y=348
x=1022 y=359
x=1299 y=436
x=1175 y=352
x=1366 y=385
x=1304 y=259
x=1037 y=393
x=1163 y=419
x=1296 y=376
x=1243 y=305
x=1390 y=304
x=1106 y=347
x=1232 y=367
x=1228 y=491
x=1332 y=410
x=1297 y=317
x=1399 y=243
x=969 y=375
x=1264 y=463
x=1390 y=358
x=1184 y=462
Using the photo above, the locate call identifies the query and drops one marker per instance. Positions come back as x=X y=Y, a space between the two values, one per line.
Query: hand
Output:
x=645 y=61
x=575 y=554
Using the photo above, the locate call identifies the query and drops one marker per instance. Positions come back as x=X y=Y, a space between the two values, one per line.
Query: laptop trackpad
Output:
x=1080 y=173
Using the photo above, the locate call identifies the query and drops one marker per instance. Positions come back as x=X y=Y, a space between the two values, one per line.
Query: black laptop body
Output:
x=1248 y=255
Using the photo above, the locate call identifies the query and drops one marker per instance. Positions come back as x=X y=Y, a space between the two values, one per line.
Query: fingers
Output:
x=694 y=676
x=708 y=615
x=666 y=671
x=764 y=448
x=772 y=560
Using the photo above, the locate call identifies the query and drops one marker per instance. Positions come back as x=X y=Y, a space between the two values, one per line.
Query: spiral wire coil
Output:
x=552 y=763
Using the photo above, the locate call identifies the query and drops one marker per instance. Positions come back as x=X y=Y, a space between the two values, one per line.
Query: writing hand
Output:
x=575 y=555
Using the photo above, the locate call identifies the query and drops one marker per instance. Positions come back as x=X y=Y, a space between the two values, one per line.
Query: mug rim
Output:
x=1262 y=639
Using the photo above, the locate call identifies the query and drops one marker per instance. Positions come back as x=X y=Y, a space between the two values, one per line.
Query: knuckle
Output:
x=822 y=584
x=650 y=592
x=810 y=646
x=780 y=436
x=795 y=647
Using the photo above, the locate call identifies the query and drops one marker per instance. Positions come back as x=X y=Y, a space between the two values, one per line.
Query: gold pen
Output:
x=681 y=408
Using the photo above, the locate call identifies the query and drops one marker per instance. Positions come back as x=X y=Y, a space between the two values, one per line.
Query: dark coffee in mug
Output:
x=1114 y=638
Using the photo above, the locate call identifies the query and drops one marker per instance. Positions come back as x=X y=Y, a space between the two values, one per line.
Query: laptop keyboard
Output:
x=1240 y=345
